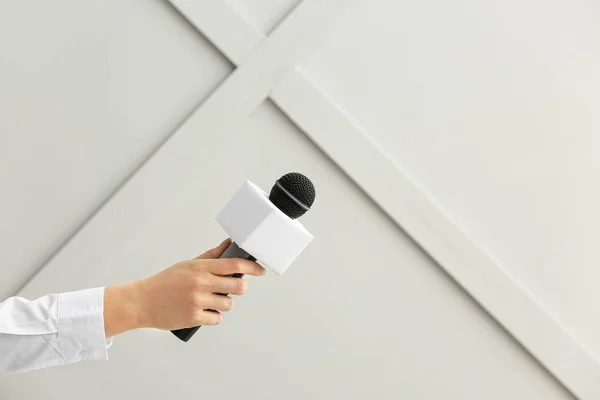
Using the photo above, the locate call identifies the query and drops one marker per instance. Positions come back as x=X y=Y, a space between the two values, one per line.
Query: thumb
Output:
x=216 y=252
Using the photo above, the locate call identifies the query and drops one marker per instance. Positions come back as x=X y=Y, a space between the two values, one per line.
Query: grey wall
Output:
x=362 y=314
x=492 y=107
x=87 y=93
x=90 y=91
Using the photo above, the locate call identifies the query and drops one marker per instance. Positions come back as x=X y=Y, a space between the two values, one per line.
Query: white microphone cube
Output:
x=263 y=230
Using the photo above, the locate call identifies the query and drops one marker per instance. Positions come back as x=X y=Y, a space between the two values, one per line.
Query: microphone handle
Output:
x=233 y=251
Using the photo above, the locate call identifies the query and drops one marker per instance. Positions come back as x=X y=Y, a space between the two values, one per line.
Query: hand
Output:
x=181 y=296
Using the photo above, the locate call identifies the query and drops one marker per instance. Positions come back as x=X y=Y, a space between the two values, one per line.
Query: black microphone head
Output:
x=293 y=194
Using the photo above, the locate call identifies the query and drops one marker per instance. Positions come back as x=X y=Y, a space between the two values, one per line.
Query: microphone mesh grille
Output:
x=298 y=186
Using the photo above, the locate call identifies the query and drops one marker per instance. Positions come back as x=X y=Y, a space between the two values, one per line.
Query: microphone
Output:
x=266 y=228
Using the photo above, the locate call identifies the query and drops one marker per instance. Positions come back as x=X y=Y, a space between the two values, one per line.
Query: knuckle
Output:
x=190 y=285
x=237 y=265
x=199 y=282
x=199 y=318
x=241 y=287
x=193 y=318
x=197 y=301
x=199 y=265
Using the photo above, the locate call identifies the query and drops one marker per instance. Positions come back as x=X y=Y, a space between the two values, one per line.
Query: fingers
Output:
x=205 y=279
x=209 y=317
x=216 y=252
x=228 y=266
x=227 y=285
x=216 y=302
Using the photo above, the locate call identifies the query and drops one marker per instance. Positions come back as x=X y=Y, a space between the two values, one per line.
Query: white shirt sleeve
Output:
x=56 y=329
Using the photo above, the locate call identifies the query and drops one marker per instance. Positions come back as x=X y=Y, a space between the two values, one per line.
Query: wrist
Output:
x=124 y=308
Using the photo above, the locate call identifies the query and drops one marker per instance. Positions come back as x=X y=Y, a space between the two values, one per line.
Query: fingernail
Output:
x=263 y=271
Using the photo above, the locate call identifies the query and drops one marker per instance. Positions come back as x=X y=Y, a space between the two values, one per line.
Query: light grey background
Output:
x=90 y=90
x=493 y=108
x=87 y=92
x=381 y=321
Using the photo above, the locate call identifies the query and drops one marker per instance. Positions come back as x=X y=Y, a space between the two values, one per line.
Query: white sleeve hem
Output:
x=81 y=325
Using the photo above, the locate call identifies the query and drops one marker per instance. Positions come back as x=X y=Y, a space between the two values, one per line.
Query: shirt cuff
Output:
x=81 y=325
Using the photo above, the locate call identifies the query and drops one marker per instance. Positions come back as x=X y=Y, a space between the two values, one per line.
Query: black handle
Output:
x=233 y=251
